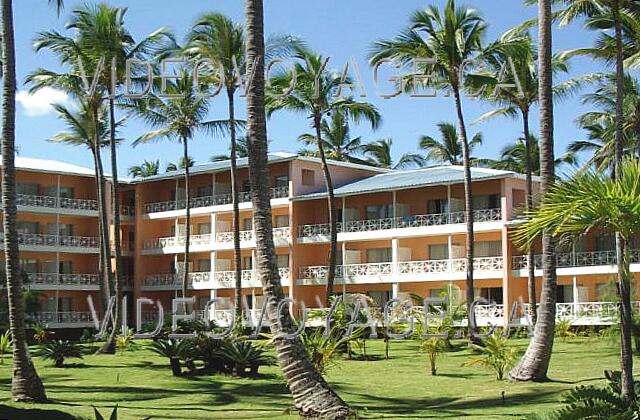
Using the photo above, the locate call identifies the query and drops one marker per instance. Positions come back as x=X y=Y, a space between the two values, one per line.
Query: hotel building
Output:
x=400 y=233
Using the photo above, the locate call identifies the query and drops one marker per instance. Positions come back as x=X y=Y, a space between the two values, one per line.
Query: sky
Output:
x=338 y=29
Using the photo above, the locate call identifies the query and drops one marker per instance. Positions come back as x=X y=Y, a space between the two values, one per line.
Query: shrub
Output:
x=125 y=342
x=6 y=343
x=434 y=347
x=246 y=355
x=211 y=352
x=41 y=334
x=496 y=354
x=323 y=350
x=563 y=329
x=174 y=350
x=59 y=350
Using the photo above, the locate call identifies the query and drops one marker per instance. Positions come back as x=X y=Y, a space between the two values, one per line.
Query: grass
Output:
x=140 y=383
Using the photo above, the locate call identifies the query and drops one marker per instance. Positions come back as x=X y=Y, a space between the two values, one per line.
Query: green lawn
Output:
x=400 y=388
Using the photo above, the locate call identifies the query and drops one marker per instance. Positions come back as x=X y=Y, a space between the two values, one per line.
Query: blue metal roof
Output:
x=398 y=180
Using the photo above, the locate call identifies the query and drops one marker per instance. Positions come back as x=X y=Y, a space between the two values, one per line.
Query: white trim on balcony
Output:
x=224 y=240
x=405 y=227
x=54 y=205
x=406 y=271
x=175 y=244
x=64 y=319
x=171 y=281
x=53 y=281
x=227 y=279
x=577 y=263
x=53 y=243
x=210 y=204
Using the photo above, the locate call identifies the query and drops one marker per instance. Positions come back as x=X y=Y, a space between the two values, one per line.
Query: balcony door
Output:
x=26 y=189
x=28 y=228
x=379 y=255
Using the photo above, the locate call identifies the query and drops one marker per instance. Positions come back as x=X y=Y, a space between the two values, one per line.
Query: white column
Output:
x=575 y=295
x=449 y=250
x=395 y=247
x=395 y=207
x=58 y=231
x=395 y=289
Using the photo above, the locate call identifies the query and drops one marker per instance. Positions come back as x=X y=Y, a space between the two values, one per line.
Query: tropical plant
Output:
x=174 y=350
x=324 y=349
x=312 y=395
x=59 y=350
x=125 y=342
x=448 y=149
x=451 y=37
x=434 y=347
x=496 y=354
x=336 y=140
x=574 y=207
x=242 y=151
x=113 y=416
x=513 y=157
x=246 y=355
x=535 y=361
x=210 y=352
x=379 y=154
x=178 y=118
x=41 y=334
x=564 y=329
x=316 y=93
x=6 y=342
x=181 y=165
x=145 y=169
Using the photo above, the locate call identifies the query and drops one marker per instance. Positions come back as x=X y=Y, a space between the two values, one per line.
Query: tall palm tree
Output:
x=217 y=38
x=311 y=393
x=575 y=206
x=513 y=157
x=336 y=140
x=145 y=169
x=534 y=364
x=242 y=151
x=314 y=94
x=379 y=154
x=448 y=149
x=178 y=119
x=451 y=37
x=182 y=164
x=26 y=385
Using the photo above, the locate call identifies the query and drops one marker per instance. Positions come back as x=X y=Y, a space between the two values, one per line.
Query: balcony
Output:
x=322 y=231
x=578 y=260
x=53 y=281
x=64 y=319
x=209 y=201
x=49 y=204
x=227 y=279
x=53 y=243
x=173 y=281
x=405 y=271
x=224 y=240
x=127 y=212
x=165 y=245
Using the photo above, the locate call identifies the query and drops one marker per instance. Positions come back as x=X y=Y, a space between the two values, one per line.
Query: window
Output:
x=378 y=255
x=281 y=181
x=26 y=189
x=65 y=267
x=247 y=223
x=438 y=206
x=205 y=191
x=379 y=212
x=485 y=202
x=247 y=263
x=28 y=227
x=283 y=221
x=67 y=192
x=492 y=294
x=178 y=194
x=564 y=294
x=246 y=186
x=488 y=249
x=204 y=265
x=308 y=177
x=439 y=252
x=605 y=242
x=282 y=261
x=204 y=228
x=29 y=266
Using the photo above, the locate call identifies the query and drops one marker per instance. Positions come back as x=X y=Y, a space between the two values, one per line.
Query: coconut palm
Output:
x=575 y=206
x=534 y=364
x=336 y=141
x=314 y=95
x=178 y=118
x=311 y=393
x=451 y=37
x=513 y=157
x=242 y=151
x=26 y=385
x=182 y=164
x=145 y=169
x=379 y=154
x=448 y=149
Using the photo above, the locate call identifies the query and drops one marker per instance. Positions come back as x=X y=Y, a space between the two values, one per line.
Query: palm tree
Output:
x=26 y=385
x=182 y=164
x=451 y=37
x=513 y=157
x=314 y=94
x=534 y=364
x=145 y=169
x=448 y=149
x=379 y=154
x=336 y=141
x=575 y=206
x=217 y=38
x=311 y=393
x=178 y=119
x=242 y=151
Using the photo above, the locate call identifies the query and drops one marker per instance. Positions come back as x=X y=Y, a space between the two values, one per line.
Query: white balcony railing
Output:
x=53 y=279
x=127 y=211
x=227 y=237
x=227 y=279
x=404 y=222
x=44 y=201
x=52 y=318
x=577 y=259
x=173 y=241
x=170 y=280
x=36 y=239
x=208 y=201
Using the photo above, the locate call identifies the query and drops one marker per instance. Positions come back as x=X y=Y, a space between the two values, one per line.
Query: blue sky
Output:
x=339 y=29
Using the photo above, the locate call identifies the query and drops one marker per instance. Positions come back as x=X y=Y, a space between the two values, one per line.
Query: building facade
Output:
x=401 y=234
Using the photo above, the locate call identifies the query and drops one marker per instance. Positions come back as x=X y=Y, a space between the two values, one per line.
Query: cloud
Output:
x=39 y=103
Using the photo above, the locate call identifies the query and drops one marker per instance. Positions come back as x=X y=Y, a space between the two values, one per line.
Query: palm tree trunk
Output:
x=187 y=197
x=531 y=264
x=468 y=205
x=624 y=292
x=104 y=294
x=535 y=363
x=237 y=256
x=26 y=384
x=311 y=393
x=333 y=223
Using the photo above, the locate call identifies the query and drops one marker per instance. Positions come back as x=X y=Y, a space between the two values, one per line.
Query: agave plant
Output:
x=59 y=350
x=496 y=354
x=6 y=342
x=247 y=355
x=211 y=352
x=174 y=350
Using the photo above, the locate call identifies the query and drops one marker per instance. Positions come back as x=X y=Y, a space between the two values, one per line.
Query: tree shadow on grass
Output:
x=14 y=413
